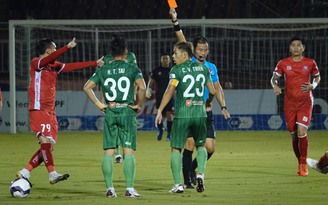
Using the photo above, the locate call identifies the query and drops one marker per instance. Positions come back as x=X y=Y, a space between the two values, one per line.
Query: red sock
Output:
x=323 y=161
x=47 y=156
x=296 y=147
x=303 y=145
x=35 y=161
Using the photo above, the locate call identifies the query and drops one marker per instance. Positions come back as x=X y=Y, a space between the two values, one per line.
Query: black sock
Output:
x=169 y=126
x=160 y=126
x=186 y=165
x=194 y=164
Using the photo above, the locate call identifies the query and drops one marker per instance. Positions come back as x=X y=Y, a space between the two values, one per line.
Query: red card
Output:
x=172 y=3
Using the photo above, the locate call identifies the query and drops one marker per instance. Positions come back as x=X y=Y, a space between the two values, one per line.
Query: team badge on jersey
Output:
x=188 y=103
x=112 y=104
x=289 y=67
x=305 y=67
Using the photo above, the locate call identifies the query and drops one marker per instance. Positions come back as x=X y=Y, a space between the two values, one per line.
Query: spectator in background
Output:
x=228 y=85
x=44 y=70
x=298 y=100
x=117 y=80
x=159 y=78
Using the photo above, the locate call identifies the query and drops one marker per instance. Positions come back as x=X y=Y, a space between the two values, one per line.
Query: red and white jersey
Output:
x=296 y=74
x=43 y=75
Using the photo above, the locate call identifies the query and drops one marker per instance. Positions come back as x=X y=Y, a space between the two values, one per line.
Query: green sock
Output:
x=108 y=169
x=176 y=166
x=129 y=168
x=201 y=158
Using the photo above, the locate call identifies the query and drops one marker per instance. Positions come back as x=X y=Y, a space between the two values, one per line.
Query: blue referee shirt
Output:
x=213 y=71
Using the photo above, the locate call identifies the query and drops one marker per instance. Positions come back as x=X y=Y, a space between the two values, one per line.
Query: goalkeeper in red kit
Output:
x=298 y=99
x=44 y=70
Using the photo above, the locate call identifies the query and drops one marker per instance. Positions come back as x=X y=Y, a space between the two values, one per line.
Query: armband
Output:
x=174 y=21
x=176 y=27
x=224 y=107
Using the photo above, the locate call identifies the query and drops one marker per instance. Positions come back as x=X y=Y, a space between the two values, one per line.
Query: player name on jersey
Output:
x=116 y=71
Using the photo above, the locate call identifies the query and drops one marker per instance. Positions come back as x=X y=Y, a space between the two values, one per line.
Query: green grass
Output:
x=248 y=168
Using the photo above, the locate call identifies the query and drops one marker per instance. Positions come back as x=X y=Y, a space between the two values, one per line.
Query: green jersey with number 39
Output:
x=190 y=79
x=117 y=80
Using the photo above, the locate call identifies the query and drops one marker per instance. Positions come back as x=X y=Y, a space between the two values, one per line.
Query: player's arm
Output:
x=307 y=86
x=56 y=54
x=169 y=92
x=176 y=26
x=221 y=100
x=141 y=94
x=150 y=85
x=88 y=89
x=274 y=83
x=80 y=65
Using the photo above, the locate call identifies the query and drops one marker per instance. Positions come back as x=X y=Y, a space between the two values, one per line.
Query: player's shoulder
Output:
x=210 y=65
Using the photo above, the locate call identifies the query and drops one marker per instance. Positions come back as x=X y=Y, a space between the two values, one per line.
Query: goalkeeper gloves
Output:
x=148 y=92
x=101 y=106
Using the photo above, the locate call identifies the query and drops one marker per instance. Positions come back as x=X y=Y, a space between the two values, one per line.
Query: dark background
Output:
x=158 y=9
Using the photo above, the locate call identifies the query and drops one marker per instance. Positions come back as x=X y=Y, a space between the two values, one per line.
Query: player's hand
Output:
x=148 y=93
x=102 y=107
x=226 y=114
x=158 y=119
x=71 y=44
x=277 y=90
x=100 y=62
x=208 y=106
x=306 y=87
x=136 y=108
x=173 y=14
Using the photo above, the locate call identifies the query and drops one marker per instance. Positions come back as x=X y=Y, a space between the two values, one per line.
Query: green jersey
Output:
x=190 y=79
x=131 y=58
x=117 y=80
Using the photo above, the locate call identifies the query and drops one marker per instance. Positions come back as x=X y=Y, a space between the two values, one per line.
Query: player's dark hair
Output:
x=117 y=45
x=296 y=38
x=199 y=39
x=185 y=46
x=43 y=45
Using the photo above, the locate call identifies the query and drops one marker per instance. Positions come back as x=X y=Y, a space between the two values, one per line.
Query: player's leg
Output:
x=178 y=139
x=303 y=122
x=290 y=117
x=169 y=109
x=118 y=156
x=323 y=163
x=107 y=165
x=128 y=132
x=160 y=125
x=54 y=177
x=199 y=133
x=187 y=161
x=209 y=144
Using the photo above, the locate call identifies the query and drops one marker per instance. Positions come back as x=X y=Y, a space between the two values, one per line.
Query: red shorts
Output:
x=300 y=117
x=45 y=123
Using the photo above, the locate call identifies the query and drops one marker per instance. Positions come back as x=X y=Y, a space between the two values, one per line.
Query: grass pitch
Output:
x=247 y=168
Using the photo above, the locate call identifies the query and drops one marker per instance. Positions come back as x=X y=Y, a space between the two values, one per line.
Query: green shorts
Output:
x=182 y=126
x=120 y=130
